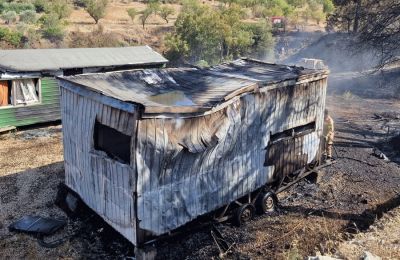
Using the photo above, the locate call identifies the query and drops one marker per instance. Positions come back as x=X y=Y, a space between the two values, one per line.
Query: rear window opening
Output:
x=114 y=143
x=19 y=92
x=293 y=132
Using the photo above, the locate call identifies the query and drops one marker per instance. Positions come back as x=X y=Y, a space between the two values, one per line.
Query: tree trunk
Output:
x=357 y=16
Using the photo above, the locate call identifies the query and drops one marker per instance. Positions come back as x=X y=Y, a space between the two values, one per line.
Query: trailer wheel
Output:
x=243 y=214
x=266 y=202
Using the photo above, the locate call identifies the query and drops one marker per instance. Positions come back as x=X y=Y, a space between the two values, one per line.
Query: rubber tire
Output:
x=239 y=217
x=263 y=203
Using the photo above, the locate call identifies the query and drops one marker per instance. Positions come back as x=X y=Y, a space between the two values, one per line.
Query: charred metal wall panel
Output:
x=188 y=167
x=182 y=168
x=105 y=185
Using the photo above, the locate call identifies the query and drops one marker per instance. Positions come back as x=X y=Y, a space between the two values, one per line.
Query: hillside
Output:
x=74 y=27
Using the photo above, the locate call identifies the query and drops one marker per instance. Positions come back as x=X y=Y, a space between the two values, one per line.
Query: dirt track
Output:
x=312 y=217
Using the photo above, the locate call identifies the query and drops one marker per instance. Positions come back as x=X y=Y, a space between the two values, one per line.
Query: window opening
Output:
x=293 y=132
x=26 y=91
x=19 y=92
x=114 y=143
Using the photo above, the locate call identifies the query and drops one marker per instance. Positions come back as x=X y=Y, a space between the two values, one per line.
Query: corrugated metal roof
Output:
x=187 y=90
x=34 y=60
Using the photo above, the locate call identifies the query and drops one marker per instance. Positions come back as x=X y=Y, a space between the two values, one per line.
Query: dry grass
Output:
x=20 y=151
x=382 y=239
x=119 y=23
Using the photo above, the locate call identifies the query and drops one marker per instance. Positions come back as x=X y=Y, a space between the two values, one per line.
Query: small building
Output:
x=29 y=93
x=151 y=150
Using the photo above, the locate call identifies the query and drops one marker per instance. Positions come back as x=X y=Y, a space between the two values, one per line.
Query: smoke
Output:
x=338 y=52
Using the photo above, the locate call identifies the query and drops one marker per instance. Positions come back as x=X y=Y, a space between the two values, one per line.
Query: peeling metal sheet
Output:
x=190 y=168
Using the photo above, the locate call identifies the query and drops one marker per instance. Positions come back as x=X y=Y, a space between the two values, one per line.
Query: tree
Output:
x=263 y=41
x=61 y=8
x=96 y=9
x=10 y=37
x=28 y=16
x=199 y=27
x=377 y=26
x=52 y=27
x=328 y=6
x=9 y=17
x=214 y=35
x=374 y=25
x=40 y=5
x=132 y=12
x=165 y=12
x=145 y=15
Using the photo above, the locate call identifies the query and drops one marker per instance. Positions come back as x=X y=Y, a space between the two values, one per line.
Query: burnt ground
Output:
x=312 y=218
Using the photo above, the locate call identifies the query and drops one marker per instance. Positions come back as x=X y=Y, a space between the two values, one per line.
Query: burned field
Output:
x=347 y=198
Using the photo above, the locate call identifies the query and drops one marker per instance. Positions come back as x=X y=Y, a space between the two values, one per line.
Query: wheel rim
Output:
x=246 y=215
x=269 y=203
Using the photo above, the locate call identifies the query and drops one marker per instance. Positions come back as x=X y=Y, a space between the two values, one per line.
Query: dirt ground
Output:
x=331 y=217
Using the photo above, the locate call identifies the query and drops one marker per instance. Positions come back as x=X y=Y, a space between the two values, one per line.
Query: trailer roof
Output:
x=35 y=60
x=191 y=90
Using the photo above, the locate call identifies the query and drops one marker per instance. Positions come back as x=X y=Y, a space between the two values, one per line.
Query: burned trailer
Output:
x=151 y=150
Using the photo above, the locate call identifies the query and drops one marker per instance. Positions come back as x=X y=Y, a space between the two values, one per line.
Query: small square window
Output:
x=114 y=143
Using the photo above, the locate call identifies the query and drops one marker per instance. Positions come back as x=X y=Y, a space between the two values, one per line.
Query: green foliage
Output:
x=177 y=47
x=328 y=6
x=96 y=8
x=10 y=37
x=9 y=17
x=32 y=35
x=165 y=12
x=53 y=28
x=269 y=8
x=145 y=15
x=28 y=16
x=297 y=3
x=40 y=5
x=15 y=6
x=61 y=8
x=262 y=40
x=201 y=29
x=154 y=6
x=202 y=64
x=132 y=12
x=214 y=35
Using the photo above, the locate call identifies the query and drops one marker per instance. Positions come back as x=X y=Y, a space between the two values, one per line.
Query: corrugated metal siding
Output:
x=105 y=185
x=48 y=110
x=188 y=167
